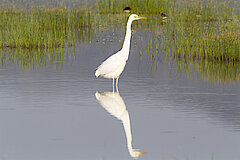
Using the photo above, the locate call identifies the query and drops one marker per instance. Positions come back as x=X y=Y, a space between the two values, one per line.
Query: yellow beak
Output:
x=141 y=17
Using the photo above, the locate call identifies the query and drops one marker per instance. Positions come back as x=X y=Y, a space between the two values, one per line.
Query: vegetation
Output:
x=214 y=41
x=137 y=6
x=43 y=28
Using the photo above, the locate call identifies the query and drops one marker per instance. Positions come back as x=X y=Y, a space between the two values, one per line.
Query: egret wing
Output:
x=110 y=65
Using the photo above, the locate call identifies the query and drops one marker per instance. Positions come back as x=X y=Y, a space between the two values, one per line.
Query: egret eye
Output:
x=135 y=16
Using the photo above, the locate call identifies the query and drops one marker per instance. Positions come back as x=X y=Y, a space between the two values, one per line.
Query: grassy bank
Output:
x=183 y=9
x=137 y=6
x=43 y=28
x=196 y=40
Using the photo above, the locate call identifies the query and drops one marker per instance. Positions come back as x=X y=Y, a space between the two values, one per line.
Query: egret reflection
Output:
x=114 y=104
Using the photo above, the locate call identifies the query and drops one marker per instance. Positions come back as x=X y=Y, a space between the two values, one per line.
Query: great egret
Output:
x=114 y=104
x=113 y=66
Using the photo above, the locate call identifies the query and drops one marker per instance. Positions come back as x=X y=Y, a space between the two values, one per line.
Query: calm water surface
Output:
x=53 y=113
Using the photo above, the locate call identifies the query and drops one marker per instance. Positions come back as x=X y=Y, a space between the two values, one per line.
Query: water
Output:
x=50 y=109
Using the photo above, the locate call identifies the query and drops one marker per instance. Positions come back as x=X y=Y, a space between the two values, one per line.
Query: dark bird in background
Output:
x=163 y=15
x=127 y=9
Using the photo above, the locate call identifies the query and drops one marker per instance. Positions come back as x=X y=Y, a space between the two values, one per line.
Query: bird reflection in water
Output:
x=114 y=104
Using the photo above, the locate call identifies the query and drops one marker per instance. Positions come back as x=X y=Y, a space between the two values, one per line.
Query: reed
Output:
x=138 y=6
x=42 y=28
x=203 y=40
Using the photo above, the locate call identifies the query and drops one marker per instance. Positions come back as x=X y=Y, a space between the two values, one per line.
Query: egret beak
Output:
x=141 y=17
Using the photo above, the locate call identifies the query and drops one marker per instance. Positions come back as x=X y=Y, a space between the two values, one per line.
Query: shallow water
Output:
x=52 y=113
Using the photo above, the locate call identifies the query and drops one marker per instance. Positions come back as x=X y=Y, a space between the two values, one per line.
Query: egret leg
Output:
x=117 y=84
x=113 y=84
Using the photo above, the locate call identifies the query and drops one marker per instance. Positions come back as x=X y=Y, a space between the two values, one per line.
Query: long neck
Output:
x=127 y=40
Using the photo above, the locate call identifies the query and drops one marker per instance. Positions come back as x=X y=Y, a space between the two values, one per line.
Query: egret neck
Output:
x=126 y=43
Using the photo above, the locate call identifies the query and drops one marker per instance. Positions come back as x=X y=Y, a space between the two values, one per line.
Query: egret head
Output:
x=135 y=17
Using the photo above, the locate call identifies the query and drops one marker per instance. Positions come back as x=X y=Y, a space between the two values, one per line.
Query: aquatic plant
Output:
x=138 y=6
x=215 y=41
x=43 y=28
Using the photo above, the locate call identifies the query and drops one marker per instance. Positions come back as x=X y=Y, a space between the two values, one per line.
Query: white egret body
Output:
x=113 y=66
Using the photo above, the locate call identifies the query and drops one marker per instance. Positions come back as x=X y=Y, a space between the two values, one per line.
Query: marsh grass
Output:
x=215 y=41
x=138 y=6
x=209 y=10
x=206 y=10
x=43 y=28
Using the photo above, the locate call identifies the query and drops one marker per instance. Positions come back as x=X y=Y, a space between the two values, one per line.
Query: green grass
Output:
x=138 y=6
x=206 y=10
x=42 y=28
x=203 y=40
